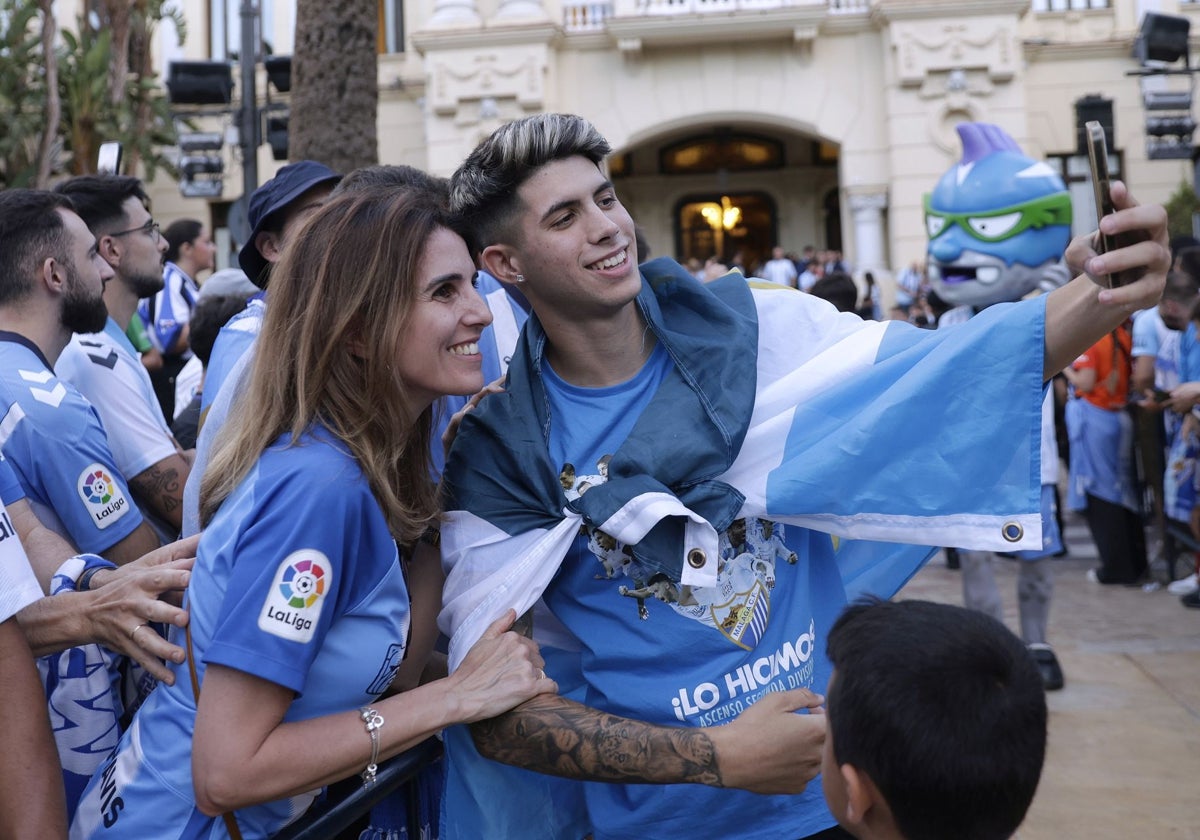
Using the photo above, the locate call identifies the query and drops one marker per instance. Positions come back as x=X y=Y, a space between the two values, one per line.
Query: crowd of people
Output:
x=626 y=546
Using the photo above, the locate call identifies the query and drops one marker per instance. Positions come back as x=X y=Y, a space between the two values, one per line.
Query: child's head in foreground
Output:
x=936 y=722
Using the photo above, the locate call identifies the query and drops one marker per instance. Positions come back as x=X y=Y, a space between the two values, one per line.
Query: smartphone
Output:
x=1102 y=184
x=108 y=159
x=1161 y=396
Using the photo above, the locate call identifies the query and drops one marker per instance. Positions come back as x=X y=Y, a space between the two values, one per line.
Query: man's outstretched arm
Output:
x=1080 y=313
x=768 y=749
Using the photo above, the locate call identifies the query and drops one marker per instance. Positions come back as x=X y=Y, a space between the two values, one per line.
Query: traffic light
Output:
x=277 y=136
x=201 y=166
x=279 y=71
x=279 y=76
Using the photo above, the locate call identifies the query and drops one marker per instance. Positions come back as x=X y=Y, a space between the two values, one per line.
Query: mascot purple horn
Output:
x=999 y=223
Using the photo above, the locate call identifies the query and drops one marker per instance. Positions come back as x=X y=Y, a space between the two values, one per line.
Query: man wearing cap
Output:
x=277 y=209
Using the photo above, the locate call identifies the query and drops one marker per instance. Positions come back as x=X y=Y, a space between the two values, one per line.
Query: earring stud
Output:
x=520 y=278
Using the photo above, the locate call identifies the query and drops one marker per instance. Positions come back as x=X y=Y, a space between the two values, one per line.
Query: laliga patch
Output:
x=293 y=604
x=102 y=496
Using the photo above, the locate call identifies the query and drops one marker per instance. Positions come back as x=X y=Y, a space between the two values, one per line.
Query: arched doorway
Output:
x=735 y=228
x=703 y=191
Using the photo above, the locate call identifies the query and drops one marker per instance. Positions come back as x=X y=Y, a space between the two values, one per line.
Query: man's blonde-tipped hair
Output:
x=483 y=191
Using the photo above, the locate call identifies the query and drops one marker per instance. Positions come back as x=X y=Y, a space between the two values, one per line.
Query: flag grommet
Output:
x=1012 y=531
x=696 y=558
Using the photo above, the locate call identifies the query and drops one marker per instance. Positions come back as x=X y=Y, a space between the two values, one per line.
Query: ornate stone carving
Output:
x=924 y=49
x=468 y=78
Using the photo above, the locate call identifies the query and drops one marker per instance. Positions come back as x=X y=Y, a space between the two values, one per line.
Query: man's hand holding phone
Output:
x=1144 y=255
x=1102 y=184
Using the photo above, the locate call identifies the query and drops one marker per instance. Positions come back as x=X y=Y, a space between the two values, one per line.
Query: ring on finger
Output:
x=133 y=632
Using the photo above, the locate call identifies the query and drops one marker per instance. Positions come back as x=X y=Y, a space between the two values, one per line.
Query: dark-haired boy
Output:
x=936 y=723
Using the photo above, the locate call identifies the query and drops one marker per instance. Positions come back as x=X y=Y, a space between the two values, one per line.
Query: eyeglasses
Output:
x=151 y=229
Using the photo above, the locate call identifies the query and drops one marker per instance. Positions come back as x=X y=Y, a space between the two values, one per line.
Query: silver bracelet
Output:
x=373 y=721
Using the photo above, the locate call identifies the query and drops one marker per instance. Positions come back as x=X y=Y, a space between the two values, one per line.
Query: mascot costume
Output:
x=999 y=223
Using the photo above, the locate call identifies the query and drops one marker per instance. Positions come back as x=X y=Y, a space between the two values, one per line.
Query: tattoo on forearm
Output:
x=562 y=738
x=160 y=487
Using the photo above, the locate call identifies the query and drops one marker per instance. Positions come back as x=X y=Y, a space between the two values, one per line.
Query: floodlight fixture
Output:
x=1167 y=100
x=1162 y=38
x=1180 y=125
x=201 y=164
x=199 y=82
x=1169 y=148
x=201 y=141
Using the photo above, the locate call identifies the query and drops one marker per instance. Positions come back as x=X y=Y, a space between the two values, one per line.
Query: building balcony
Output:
x=637 y=23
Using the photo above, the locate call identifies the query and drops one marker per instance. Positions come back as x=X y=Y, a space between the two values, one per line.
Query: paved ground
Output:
x=1124 y=750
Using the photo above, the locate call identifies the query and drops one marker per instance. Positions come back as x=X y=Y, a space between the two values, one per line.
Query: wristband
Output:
x=91 y=564
x=373 y=721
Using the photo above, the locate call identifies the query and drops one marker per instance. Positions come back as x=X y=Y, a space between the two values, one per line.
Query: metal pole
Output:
x=249 y=134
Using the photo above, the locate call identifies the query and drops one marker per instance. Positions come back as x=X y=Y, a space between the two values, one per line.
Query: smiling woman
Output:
x=299 y=607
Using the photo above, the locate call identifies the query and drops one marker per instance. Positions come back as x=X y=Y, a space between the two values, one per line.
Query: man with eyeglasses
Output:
x=106 y=368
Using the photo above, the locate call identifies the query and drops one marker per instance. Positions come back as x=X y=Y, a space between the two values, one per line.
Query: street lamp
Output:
x=199 y=83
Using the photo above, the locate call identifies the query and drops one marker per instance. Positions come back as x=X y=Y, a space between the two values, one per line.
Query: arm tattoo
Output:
x=557 y=736
x=159 y=486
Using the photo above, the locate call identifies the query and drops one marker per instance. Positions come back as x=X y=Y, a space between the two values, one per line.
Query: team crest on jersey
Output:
x=101 y=495
x=743 y=618
x=292 y=607
x=738 y=606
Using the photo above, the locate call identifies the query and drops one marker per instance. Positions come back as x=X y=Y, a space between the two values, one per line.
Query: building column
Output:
x=523 y=10
x=867 y=209
x=454 y=13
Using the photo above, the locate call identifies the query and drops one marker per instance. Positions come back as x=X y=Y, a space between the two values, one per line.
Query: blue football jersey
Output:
x=56 y=445
x=297 y=582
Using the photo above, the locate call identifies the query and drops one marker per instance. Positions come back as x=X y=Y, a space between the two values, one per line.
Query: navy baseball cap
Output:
x=289 y=183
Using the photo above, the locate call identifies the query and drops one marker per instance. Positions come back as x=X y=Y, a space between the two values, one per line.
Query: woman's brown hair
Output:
x=340 y=300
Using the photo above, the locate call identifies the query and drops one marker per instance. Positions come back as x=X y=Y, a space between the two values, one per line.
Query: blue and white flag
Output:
x=777 y=407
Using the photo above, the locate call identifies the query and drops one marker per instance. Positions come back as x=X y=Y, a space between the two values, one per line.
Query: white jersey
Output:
x=781 y=271
x=110 y=375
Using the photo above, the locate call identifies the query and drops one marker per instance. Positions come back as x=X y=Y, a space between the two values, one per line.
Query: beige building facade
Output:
x=740 y=124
